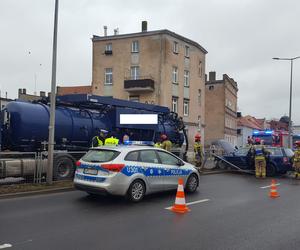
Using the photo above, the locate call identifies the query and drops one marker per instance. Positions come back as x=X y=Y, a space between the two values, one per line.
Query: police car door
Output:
x=172 y=169
x=153 y=170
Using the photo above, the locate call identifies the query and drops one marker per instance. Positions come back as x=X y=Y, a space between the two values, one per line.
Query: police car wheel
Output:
x=136 y=191
x=192 y=183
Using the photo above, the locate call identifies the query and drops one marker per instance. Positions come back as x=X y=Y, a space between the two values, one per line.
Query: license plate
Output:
x=90 y=171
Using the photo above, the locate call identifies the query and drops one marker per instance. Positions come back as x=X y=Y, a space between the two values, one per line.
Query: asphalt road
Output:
x=238 y=215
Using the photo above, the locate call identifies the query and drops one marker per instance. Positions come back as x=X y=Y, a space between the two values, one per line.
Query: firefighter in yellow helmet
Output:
x=165 y=143
x=296 y=160
x=198 y=151
x=260 y=159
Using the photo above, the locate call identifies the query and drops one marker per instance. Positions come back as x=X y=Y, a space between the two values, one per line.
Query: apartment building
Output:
x=220 y=109
x=156 y=67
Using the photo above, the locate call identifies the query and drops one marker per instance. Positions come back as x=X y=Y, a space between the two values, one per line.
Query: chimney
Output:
x=105 y=30
x=24 y=91
x=144 y=26
x=42 y=93
x=212 y=76
x=116 y=31
x=20 y=92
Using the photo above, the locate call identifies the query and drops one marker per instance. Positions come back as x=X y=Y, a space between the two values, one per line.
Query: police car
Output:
x=132 y=171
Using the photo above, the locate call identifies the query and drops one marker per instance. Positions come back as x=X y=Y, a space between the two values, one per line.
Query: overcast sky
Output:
x=241 y=37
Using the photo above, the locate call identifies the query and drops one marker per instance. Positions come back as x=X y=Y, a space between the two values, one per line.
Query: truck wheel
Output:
x=63 y=167
x=136 y=191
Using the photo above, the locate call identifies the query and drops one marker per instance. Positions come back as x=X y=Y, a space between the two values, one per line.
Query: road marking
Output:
x=5 y=246
x=192 y=203
x=277 y=184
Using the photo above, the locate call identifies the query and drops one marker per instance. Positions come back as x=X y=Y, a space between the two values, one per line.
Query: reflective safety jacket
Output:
x=198 y=149
x=297 y=155
x=111 y=141
x=97 y=141
x=167 y=145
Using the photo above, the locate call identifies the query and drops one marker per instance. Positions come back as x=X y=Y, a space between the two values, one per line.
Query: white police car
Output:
x=132 y=171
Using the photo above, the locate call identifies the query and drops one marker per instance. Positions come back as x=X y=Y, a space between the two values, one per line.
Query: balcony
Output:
x=143 y=84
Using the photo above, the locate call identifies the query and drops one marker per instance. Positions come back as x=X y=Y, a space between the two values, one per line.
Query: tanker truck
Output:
x=78 y=118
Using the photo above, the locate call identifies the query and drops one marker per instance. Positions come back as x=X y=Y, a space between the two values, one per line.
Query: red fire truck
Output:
x=272 y=138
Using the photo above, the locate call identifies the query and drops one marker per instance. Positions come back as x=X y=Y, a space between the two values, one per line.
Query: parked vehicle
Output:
x=132 y=171
x=272 y=137
x=278 y=162
x=79 y=117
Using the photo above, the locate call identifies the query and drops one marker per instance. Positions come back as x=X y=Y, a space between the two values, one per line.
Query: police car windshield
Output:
x=100 y=155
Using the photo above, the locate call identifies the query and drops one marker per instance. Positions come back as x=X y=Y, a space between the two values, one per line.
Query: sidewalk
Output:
x=17 y=190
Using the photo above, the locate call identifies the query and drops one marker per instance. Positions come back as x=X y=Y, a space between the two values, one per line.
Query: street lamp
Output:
x=291 y=91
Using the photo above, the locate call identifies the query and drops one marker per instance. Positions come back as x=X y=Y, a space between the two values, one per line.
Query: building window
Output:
x=175 y=75
x=175 y=104
x=211 y=87
x=186 y=104
x=187 y=51
x=108 y=49
x=135 y=72
x=199 y=96
x=199 y=122
x=134 y=98
x=108 y=76
x=186 y=78
x=175 y=47
x=135 y=47
x=200 y=68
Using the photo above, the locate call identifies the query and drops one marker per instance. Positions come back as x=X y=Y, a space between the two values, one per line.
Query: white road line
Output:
x=5 y=246
x=277 y=184
x=193 y=202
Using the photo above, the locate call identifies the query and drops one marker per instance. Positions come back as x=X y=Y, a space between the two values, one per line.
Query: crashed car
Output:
x=279 y=161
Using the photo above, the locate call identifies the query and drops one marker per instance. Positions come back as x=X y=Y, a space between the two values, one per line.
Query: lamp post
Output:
x=52 y=101
x=291 y=91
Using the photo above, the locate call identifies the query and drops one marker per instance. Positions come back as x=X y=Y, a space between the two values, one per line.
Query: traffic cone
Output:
x=180 y=206
x=273 y=191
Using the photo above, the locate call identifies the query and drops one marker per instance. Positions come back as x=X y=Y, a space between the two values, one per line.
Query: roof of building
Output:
x=84 y=89
x=222 y=81
x=250 y=122
x=5 y=99
x=150 y=33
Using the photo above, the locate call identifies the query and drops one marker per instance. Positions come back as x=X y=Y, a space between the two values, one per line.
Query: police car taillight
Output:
x=78 y=163
x=113 y=167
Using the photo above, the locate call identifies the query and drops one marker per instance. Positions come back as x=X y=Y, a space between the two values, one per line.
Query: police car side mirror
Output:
x=179 y=163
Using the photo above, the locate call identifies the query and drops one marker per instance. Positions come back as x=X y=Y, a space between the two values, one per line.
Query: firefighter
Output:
x=260 y=159
x=98 y=141
x=198 y=151
x=165 y=143
x=296 y=160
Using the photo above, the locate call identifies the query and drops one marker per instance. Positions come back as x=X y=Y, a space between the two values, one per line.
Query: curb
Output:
x=213 y=172
x=37 y=192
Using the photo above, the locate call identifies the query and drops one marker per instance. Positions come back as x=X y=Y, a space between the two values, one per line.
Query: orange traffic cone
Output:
x=273 y=191
x=180 y=206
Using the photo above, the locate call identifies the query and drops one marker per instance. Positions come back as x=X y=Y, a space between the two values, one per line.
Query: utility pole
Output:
x=52 y=101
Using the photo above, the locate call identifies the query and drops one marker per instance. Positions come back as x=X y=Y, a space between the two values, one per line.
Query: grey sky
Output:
x=241 y=37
